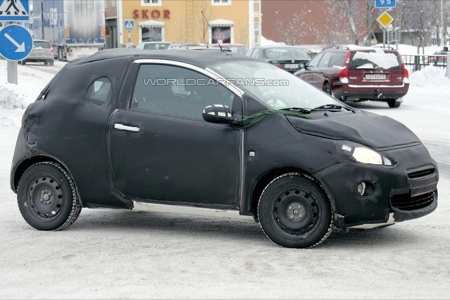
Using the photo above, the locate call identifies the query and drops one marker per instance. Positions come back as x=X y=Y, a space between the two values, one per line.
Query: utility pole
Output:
x=443 y=25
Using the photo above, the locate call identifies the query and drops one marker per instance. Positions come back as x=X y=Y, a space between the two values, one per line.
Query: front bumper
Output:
x=392 y=194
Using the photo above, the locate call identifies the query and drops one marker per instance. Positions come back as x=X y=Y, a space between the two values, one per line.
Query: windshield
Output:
x=276 y=88
x=279 y=53
x=374 y=60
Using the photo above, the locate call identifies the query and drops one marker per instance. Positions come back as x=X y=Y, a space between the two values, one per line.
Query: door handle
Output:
x=119 y=126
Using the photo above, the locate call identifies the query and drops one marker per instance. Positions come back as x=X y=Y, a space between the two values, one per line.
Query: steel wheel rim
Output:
x=45 y=198
x=295 y=212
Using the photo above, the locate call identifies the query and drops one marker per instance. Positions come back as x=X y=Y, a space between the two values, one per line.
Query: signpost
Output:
x=14 y=10
x=385 y=4
x=385 y=20
x=129 y=25
x=15 y=40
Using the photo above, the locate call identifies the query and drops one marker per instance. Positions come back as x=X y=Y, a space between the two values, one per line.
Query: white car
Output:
x=42 y=52
x=154 y=45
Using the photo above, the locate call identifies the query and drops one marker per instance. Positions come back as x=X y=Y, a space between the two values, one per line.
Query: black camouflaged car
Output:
x=215 y=130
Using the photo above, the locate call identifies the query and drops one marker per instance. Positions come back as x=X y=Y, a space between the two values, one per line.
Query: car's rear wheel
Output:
x=295 y=212
x=47 y=197
x=393 y=103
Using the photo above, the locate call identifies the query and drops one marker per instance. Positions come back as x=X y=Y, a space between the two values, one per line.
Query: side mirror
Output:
x=217 y=113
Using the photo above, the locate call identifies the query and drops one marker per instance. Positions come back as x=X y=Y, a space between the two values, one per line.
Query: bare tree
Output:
x=202 y=15
x=348 y=11
x=419 y=18
x=293 y=30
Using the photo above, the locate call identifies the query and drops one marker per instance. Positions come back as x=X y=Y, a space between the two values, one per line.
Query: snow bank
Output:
x=11 y=97
x=431 y=79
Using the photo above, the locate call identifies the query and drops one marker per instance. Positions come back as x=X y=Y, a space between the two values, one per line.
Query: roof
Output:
x=277 y=46
x=201 y=58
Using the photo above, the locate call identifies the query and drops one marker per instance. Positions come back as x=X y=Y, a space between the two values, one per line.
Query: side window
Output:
x=337 y=60
x=315 y=61
x=325 y=61
x=255 y=53
x=100 y=91
x=175 y=91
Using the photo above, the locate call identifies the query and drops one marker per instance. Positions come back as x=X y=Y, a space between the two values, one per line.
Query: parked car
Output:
x=289 y=58
x=236 y=48
x=179 y=46
x=153 y=45
x=42 y=51
x=439 y=58
x=353 y=73
x=212 y=129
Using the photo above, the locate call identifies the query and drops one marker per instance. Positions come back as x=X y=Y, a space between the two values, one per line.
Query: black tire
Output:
x=327 y=88
x=50 y=62
x=47 y=197
x=393 y=103
x=23 y=62
x=294 y=212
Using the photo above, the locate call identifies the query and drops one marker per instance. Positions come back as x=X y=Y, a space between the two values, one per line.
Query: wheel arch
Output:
x=266 y=178
x=27 y=163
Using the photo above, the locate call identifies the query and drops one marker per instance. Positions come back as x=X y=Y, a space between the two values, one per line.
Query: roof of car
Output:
x=277 y=46
x=358 y=48
x=201 y=57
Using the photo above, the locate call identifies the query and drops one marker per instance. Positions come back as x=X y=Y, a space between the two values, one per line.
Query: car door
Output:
x=161 y=148
x=318 y=74
x=307 y=73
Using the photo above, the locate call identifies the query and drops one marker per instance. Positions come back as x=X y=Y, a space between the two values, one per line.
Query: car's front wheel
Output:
x=294 y=212
x=47 y=197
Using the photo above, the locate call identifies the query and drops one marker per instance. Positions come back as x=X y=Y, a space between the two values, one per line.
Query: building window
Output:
x=221 y=2
x=221 y=34
x=151 y=31
x=151 y=2
x=151 y=34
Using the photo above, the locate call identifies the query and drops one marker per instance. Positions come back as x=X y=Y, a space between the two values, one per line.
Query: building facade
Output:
x=183 y=21
x=314 y=22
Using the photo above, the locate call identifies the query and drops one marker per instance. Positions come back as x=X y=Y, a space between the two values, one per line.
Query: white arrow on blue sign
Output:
x=16 y=42
x=14 y=10
x=385 y=4
x=129 y=25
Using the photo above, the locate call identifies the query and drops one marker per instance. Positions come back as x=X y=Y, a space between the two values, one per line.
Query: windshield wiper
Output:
x=298 y=109
x=329 y=107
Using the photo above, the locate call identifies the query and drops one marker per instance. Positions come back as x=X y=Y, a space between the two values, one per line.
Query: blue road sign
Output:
x=15 y=42
x=14 y=10
x=129 y=25
x=385 y=3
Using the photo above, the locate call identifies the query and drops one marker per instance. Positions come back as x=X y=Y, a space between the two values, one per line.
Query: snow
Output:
x=116 y=254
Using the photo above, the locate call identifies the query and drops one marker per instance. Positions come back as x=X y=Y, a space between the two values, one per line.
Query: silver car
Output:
x=42 y=52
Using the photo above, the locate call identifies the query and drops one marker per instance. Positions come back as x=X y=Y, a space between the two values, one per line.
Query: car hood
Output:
x=375 y=131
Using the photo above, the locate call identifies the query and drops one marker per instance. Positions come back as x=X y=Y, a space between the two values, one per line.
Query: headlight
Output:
x=364 y=154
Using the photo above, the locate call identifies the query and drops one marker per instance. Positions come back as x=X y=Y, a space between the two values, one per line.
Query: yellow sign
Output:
x=385 y=19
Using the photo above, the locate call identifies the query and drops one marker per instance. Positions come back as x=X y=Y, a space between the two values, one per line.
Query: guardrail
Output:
x=418 y=62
